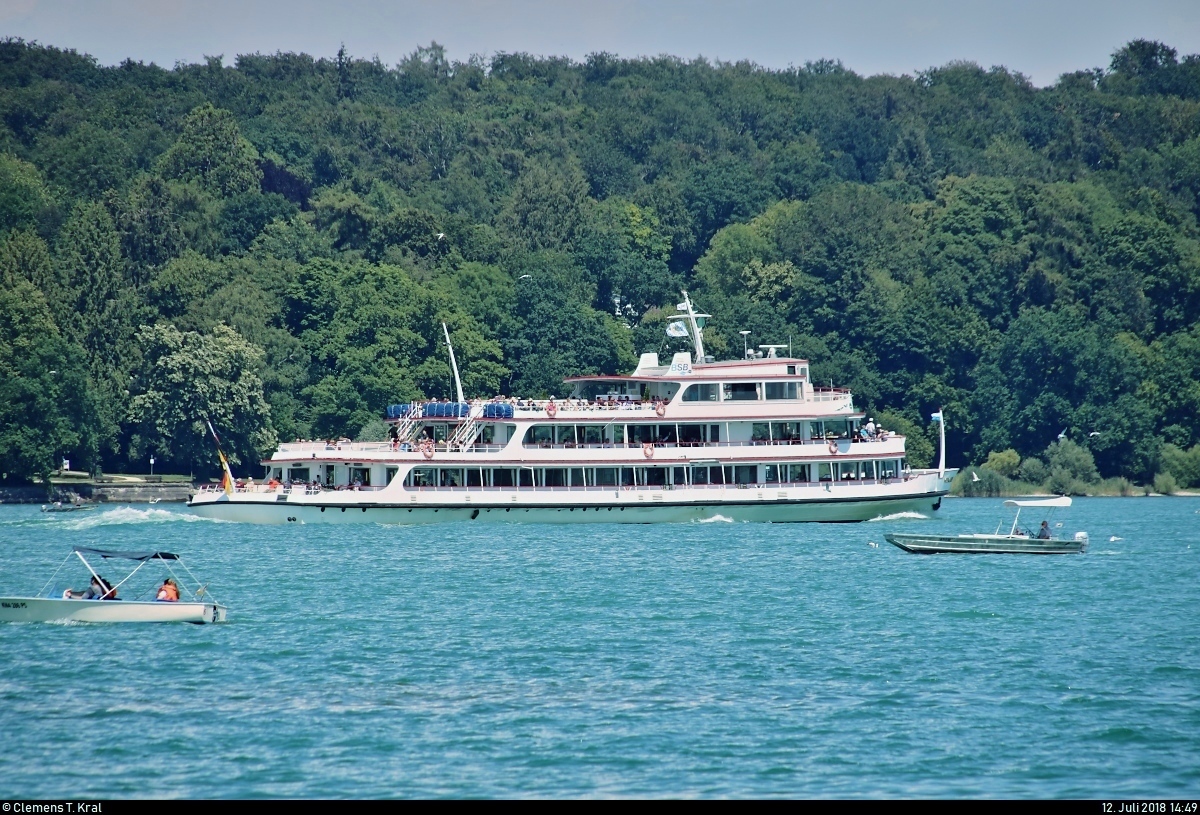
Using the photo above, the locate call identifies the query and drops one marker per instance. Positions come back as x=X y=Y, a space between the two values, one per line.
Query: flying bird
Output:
x=1094 y=433
x=441 y=236
x=1063 y=434
x=974 y=475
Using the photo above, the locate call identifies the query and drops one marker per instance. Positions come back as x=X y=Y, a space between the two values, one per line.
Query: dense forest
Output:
x=273 y=245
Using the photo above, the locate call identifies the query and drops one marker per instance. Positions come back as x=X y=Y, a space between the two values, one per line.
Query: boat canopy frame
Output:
x=1034 y=503
x=141 y=558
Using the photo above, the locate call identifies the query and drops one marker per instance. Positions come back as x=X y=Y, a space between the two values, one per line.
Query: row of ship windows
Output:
x=740 y=391
x=738 y=474
x=570 y=434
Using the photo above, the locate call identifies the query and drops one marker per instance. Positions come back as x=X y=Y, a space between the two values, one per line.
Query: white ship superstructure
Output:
x=690 y=440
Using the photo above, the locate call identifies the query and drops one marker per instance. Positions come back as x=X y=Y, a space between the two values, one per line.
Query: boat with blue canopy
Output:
x=173 y=600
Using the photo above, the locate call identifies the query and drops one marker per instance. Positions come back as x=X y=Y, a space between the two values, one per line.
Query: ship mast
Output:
x=453 y=365
x=697 y=323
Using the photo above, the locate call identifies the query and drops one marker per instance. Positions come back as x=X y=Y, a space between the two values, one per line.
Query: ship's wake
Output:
x=130 y=515
x=896 y=516
x=715 y=519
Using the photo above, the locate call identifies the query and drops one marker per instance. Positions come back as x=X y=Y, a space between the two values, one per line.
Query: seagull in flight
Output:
x=441 y=236
x=974 y=476
x=1094 y=433
x=1063 y=434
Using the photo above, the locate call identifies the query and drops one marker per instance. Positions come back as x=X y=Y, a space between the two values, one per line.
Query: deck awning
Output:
x=1060 y=501
x=108 y=553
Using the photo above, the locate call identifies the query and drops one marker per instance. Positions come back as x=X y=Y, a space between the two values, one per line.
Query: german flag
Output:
x=226 y=473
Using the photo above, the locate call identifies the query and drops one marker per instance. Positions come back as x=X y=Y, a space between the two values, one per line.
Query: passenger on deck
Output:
x=168 y=592
x=1044 y=532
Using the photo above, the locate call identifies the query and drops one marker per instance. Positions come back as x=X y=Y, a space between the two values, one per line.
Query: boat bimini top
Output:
x=1040 y=503
x=195 y=589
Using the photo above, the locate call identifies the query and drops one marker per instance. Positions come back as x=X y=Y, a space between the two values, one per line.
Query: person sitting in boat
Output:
x=168 y=592
x=98 y=589
x=1044 y=532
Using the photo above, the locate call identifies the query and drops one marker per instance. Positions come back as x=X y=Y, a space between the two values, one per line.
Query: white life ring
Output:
x=661 y=410
x=833 y=448
x=648 y=450
x=551 y=410
x=427 y=450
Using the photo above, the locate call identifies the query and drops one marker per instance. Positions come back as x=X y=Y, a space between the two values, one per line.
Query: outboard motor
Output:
x=1082 y=537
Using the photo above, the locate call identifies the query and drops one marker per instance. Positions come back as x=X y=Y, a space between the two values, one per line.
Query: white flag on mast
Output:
x=677 y=329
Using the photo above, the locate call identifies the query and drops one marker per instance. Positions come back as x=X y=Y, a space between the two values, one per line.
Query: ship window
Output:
x=654 y=476
x=824 y=471
x=691 y=434
x=760 y=431
x=627 y=477
x=564 y=434
x=642 y=433
x=798 y=473
x=619 y=433
x=680 y=475
x=714 y=433
x=781 y=390
x=540 y=434
x=474 y=477
x=524 y=477
x=502 y=477
x=791 y=369
x=452 y=477
x=591 y=433
x=787 y=431
x=847 y=470
x=699 y=475
x=606 y=476
x=556 y=477
x=362 y=475
x=297 y=474
x=741 y=391
x=745 y=474
x=771 y=473
x=888 y=469
x=421 y=477
x=700 y=392
x=577 y=477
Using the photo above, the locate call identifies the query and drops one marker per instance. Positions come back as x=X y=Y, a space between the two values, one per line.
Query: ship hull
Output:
x=611 y=506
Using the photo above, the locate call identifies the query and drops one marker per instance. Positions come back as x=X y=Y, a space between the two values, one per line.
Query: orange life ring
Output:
x=833 y=448
x=427 y=450
x=648 y=450
x=551 y=409
x=661 y=410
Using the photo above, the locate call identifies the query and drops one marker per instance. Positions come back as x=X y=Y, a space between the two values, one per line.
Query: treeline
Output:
x=273 y=245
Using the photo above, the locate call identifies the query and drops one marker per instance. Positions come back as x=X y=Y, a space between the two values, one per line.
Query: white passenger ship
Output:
x=692 y=440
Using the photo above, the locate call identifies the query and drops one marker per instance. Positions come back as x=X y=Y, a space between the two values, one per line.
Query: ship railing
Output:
x=700 y=445
x=815 y=485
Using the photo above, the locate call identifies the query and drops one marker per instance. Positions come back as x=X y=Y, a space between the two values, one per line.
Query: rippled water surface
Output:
x=674 y=660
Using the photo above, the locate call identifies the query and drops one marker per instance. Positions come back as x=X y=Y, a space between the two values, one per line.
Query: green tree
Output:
x=186 y=378
x=211 y=149
x=1006 y=462
x=25 y=203
x=46 y=407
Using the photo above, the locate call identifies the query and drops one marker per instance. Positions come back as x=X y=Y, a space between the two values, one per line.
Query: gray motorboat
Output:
x=1045 y=541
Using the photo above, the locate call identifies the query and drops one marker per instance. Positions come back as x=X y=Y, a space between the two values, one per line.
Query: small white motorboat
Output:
x=1045 y=541
x=59 y=506
x=103 y=604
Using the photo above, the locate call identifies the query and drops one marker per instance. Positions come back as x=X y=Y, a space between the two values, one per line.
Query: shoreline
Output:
x=128 y=492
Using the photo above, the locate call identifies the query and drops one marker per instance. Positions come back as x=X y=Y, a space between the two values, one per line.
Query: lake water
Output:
x=703 y=660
